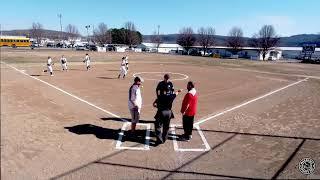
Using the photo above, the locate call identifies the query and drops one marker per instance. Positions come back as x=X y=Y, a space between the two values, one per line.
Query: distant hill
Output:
x=51 y=34
x=292 y=41
x=299 y=40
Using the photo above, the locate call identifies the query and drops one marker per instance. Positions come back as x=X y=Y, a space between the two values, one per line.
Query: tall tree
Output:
x=186 y=38
x=102 y=35
x=206 y=38
x=235 y=39
x=72 y=33
x=37 y=31
x=265 y=40
x=156 y=39
x=130 y=34
x=119 y=36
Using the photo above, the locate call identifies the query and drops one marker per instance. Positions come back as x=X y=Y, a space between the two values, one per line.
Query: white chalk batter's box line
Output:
x=175 y=143
x=121 y=134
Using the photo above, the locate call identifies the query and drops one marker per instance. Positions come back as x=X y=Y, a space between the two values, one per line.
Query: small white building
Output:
x=163 y=48
x=246 y=52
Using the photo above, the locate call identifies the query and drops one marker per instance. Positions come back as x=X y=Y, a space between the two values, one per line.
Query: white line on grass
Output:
x=248 y=102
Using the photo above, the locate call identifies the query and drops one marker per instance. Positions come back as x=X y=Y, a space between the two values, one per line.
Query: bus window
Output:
x=0 y=40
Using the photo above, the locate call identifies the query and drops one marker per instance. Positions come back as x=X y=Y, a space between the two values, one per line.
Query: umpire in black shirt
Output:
x=164 y=113
x=164 y=85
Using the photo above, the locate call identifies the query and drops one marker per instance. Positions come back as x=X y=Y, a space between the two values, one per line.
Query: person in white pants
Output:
x=87 y=61
x=135 y=102
x=49 y=65
x=123 y=69
x=63 y=61
x=127 y=62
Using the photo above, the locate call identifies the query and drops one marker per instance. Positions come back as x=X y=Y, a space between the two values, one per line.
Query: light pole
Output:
x=158 y=39
x=60 y=16
x=87 y=27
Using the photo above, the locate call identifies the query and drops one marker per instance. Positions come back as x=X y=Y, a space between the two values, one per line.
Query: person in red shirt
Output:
x=189 y=110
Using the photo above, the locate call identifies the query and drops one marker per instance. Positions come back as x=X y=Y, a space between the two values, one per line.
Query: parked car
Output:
x=50 y=44
x=92 y=47
x=71 y=46
x=35 y=45
x=272 y=58
x=110 y=47
x=80 y=48
x=61 y=45
x=194 y=52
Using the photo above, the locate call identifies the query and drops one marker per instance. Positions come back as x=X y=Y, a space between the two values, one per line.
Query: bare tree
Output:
x=102 y=35
x=265 y=40
x=186 y=38
x=235 y=39
x=37 y=31
x=72 y=33
x=206 y=38
x=156 y=39
x=130 y=34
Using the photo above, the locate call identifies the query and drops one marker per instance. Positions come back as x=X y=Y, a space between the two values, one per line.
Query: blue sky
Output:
x=289 y=17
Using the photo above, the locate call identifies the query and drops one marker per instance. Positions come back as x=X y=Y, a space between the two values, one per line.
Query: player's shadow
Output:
x=74 y=69
x=117 y=70
x=124 y=119
x=107 y=77
x=106 y=133
x=35 y=75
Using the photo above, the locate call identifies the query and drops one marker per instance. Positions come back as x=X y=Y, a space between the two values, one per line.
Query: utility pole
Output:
x=87 y=27
x=60 y=16
x=158 y=39
x=93 y=33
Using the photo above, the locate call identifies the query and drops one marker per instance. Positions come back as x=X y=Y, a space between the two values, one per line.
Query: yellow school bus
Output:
x=14 y=41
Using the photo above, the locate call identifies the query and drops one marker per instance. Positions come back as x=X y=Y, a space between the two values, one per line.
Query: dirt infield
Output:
x=255 y=119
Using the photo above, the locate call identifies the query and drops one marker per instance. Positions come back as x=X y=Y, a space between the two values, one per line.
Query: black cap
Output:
x=137 y=79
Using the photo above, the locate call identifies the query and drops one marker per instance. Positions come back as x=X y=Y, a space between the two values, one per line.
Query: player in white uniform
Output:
x=49 y=65
x=127 y=62
x=63 y=61
x=87 y=61
x=123 y=69
x=135 y=102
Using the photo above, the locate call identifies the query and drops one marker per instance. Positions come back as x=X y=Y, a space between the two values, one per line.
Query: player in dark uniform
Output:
x=164 y=114
x=165 y=85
